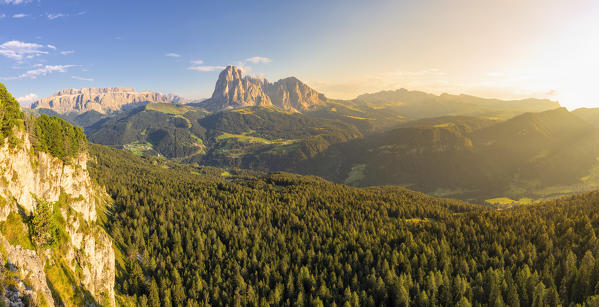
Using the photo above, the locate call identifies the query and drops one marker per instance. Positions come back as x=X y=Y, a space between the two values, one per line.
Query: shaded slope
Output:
x=534 y=154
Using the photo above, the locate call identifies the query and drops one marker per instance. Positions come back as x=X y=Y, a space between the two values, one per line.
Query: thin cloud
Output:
x=197 y=65
x=27 y=99
x=67 y=52
x=82 y=78
x=43 y=71
x=258 y=60
x=173 y=55
x=56 y=16
x=17 y=50
x=52 y=47
x=19 y=16
x=205 y=68
x=14 y=1
x=2 y=16
x=81 y=13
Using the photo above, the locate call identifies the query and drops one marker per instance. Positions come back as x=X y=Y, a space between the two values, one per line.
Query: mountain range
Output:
x=444 y=145
x=102 y=100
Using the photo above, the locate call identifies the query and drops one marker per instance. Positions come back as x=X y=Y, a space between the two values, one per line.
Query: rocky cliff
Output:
x=293 y=95
x=53 y=250
x=233 y=90
x=103 y=100
x=86 y=254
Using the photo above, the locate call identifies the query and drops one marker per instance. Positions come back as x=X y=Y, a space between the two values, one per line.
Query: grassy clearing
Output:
x=356 y=174
x=64 y=285
x=15 y=231
x=444 y=125
x=225 y=174
x=138 y=148
x=285 y=145
x=505 y=201
x=245 y=111
x=244 y=138
x=417 y=220
x=357 y=117
x=169 y=108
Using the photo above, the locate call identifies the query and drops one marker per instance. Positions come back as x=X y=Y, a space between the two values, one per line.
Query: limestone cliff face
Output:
x=293 y=95
x=233 y=90
x=30 y=265
x=26 y=176
x=103 y=100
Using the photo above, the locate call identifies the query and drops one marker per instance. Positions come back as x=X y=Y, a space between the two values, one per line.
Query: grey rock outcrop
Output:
x=29 y=264
x=103 y=100
x=233 y=90
x=26 y=177
x=293 y=95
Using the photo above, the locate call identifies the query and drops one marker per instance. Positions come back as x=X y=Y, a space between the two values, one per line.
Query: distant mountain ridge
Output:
x=417 y=104
x=233 y=90
x=102 y=100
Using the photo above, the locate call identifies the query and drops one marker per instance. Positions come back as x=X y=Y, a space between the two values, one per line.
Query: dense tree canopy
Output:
x=197 y=239
x=56 y=136
x=10 y=113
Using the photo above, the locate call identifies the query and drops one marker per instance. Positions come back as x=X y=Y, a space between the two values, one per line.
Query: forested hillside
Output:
x=533 y=155
x=253 y=138
x=192 y=236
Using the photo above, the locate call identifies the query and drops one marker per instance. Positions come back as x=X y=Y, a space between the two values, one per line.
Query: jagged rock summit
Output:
x=103 y=100
x=233 y=90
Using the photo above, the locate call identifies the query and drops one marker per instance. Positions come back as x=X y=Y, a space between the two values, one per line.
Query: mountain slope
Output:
x=50 y=209
x=285 y=239
x=102 y=100
x=532 y=155
x=415 y=104
x=254 y=137
x=590 y=115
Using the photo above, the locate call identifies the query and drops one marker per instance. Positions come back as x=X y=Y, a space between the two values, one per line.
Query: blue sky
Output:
x=502 y=48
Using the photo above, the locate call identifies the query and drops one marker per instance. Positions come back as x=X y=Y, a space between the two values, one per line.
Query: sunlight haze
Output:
x=504 y=49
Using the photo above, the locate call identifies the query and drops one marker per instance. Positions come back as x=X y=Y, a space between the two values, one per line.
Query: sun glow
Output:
x=564 y=68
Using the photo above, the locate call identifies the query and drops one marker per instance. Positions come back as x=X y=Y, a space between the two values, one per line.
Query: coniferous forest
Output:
x=193 y=236
x=299 y=153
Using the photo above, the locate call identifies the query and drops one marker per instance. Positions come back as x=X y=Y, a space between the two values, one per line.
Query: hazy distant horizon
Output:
x=499 y=49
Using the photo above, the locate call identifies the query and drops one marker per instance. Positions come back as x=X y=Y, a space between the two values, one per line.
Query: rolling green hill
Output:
x=256 y=138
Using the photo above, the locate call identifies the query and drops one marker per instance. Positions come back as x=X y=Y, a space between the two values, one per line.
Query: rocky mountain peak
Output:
x=103 y=100
x=234 y=90
x=294 y=95
x=230 y=73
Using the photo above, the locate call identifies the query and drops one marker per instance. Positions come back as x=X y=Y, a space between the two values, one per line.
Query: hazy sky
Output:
x=492 y=48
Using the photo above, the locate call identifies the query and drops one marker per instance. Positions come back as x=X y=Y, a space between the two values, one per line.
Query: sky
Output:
x=491 y=48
